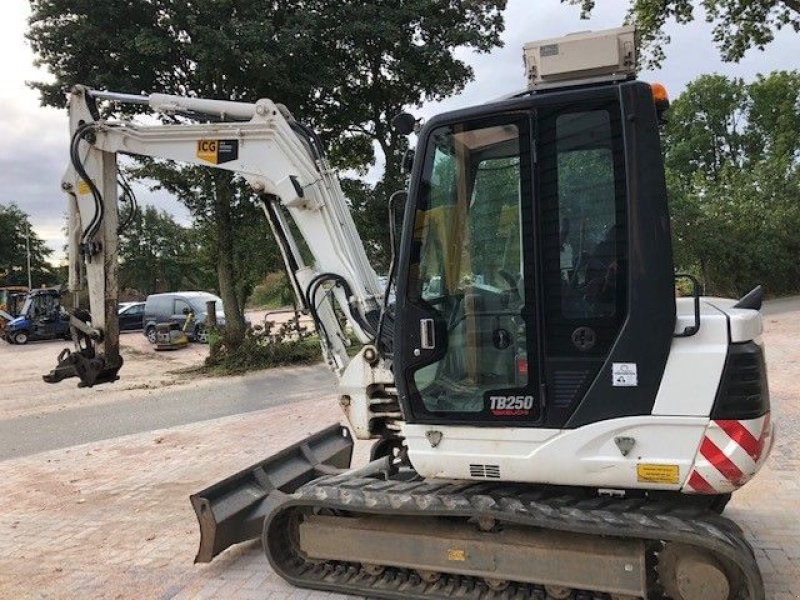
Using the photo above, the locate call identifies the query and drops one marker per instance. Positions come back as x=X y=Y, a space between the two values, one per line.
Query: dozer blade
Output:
x=233 y=510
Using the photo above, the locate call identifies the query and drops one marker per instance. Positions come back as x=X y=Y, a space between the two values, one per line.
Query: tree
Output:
x=731 y=155
x=14 y=228
x=379 y=58
x=160 y=45
x=738 y=24
x=345 y=67
x=222 y=206
x=158 y=255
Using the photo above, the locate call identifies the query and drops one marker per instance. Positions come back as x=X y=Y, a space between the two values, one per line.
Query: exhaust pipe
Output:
x=233 y=510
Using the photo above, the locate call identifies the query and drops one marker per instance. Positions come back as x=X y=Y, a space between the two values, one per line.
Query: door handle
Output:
x=427 y=336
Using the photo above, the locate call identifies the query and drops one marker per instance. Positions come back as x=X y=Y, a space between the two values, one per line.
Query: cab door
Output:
x=468 y=344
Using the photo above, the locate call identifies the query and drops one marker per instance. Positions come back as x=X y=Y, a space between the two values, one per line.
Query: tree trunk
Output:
x=223 y=223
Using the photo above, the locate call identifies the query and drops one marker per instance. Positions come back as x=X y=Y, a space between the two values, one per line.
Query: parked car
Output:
x=131 y=316
x=41 y=318
x=170 y=307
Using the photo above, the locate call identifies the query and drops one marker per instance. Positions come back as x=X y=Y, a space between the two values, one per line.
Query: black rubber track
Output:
x=511 y=503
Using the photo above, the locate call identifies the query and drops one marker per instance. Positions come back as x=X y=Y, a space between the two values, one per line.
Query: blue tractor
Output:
x=41 y=318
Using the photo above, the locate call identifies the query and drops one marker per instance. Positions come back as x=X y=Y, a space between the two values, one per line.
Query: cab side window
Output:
x=587 y=212
x=584 y=226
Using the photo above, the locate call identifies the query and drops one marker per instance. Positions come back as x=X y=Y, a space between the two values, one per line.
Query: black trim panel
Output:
x=646 y=335
x=743 y=391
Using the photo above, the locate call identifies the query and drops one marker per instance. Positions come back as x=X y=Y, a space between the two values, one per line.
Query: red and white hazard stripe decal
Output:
x=730 y=453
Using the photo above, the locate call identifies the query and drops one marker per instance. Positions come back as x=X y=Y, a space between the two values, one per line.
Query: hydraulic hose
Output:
x=127 y=191
x=311 y=291
x=99 y=212
x=392 y=267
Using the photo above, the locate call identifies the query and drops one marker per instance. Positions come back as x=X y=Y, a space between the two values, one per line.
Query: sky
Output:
x=34 y=152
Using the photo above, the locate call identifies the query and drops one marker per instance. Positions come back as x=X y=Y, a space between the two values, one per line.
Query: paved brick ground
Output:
x=112 y=519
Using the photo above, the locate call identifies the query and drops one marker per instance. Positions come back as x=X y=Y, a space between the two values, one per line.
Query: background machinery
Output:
x=11 y=300
x=552 y=422
x=40 y=316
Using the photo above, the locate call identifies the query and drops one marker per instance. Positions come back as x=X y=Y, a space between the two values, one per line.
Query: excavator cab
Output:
x=537 y=254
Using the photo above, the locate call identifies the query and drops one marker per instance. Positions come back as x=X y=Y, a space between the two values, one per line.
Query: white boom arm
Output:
x=279 y=158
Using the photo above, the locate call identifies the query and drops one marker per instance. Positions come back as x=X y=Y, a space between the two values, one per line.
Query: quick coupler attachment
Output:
x=233 y=510
x=90 y=368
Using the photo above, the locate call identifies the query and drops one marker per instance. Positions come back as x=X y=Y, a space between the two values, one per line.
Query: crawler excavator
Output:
x=548 y=420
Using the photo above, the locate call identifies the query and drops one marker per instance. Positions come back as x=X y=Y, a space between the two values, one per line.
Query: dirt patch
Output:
x=24 y=393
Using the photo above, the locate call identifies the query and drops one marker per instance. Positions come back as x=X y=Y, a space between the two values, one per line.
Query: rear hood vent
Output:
x=485 y=471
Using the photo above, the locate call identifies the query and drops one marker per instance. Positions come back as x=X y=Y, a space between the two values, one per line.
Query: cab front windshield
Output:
x=39 y=306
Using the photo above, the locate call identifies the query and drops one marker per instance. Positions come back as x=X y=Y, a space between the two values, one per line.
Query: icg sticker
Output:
x=217 y=152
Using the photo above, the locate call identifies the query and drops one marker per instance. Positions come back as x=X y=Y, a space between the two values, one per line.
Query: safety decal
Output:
x=729 y=455
x=456 y=554
x=655 y=473
x=624 y=375
x=83 y=188
x=217 y=152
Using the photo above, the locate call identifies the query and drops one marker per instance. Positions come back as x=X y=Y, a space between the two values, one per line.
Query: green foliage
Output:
x=731 y=157
x=377 y=57
x=265 y=347
x=738 y=24
x=369 y=207
x=14 y=225
x=273 y=292
x=158 y=255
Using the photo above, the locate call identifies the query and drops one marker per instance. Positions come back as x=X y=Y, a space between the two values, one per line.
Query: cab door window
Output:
x=468 y=268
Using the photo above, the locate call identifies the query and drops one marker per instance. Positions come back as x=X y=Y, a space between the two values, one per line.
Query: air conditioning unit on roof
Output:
x=582 y=58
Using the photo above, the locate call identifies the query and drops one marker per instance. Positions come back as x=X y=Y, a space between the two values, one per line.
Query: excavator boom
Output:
x=283 y=162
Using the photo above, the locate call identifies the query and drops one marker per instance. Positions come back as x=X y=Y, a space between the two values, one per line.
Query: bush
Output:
x=273 y=292
x=265 y=347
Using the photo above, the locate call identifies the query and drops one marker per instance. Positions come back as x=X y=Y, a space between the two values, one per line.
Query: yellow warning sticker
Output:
x=83 y=188
x=649 y=473
x=456 y=554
